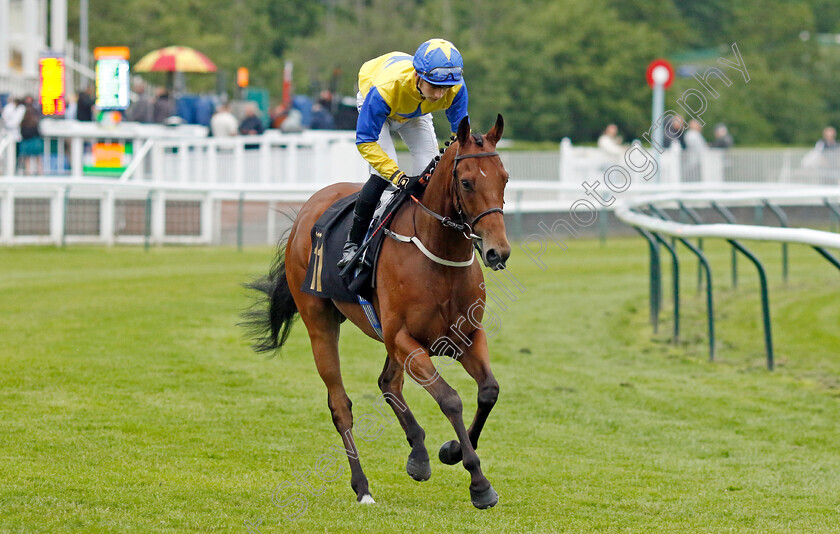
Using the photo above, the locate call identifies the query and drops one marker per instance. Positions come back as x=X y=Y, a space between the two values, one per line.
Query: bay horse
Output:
x=420 y=301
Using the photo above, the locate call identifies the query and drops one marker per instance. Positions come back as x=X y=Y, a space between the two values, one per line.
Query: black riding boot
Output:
x=362 y=214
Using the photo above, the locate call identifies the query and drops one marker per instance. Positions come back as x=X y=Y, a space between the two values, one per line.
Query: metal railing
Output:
x=658 y=224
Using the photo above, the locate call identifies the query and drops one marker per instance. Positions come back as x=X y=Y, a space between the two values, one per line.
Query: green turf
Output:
x=129 y=402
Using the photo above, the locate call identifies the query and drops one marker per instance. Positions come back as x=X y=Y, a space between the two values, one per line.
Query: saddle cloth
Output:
x=328 y=237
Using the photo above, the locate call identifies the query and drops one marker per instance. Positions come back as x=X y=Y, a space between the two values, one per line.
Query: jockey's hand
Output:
x=413 y=185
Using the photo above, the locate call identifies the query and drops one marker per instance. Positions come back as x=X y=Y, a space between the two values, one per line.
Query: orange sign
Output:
x=120 y=52
x=242 y=77
x=52 y=85
x=108 y=154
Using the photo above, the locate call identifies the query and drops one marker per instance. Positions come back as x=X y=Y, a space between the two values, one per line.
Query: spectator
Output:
x=223 y=123
x=673 y=131
x=293 y=122
x=723 y=139
x=141 y=109
x=278 y=115
x=84 y=106
x=251 y=124
x=322 y=119
x=72 y=107
x=325 y=98
x=610 y=143
x=12 y=115
x=828 y=141
x=695 y=152
x=827 y=155
x=163 y=107
x=32 y=144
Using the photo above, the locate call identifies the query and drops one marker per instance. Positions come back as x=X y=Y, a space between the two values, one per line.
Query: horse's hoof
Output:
x=484 y=499
x=367 y=499
x=419 y=470
x=450 y=452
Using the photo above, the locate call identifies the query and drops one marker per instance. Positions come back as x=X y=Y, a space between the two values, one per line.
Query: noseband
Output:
x=463 y=226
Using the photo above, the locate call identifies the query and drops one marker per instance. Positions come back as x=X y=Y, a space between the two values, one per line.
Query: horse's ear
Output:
x=495 y=132
x=463 y=131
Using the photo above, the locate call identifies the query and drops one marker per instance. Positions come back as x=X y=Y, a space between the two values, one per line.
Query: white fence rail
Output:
x=804 y=236
x=176 y=185
x=185 y=154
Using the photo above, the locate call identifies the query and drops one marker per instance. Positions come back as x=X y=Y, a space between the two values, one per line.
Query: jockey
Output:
x=397 y=93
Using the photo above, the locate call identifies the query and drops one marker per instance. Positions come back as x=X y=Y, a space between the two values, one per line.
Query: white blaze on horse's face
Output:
x=482 y=184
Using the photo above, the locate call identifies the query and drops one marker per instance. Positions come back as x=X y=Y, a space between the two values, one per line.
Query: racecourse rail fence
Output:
x=153 y=184
x=650 y=216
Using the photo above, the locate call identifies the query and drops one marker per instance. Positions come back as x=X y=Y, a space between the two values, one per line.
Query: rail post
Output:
x=655 y=278
x=835 y=210
x=710 y=314
x=765 y=299
x=696 y=219
x=728 y=217
x=675 y=282
x=783 y=222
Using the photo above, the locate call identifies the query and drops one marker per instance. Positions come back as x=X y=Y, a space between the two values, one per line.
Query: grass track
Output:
x=129 y=402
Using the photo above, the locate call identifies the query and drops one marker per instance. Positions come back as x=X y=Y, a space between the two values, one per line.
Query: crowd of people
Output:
x=689 y=137
x=20 y=119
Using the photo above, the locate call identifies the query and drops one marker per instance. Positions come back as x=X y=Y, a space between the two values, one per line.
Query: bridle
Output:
x=463 y=226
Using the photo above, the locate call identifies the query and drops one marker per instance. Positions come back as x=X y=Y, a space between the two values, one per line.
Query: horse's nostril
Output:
x=492 y=256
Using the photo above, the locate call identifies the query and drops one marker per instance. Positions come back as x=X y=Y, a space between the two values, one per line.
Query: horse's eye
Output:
x=467 y=185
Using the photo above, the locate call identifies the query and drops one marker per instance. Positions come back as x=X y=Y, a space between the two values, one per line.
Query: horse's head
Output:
x=478 y=190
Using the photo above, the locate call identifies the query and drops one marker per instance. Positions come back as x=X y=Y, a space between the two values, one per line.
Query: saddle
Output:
x=328 y=237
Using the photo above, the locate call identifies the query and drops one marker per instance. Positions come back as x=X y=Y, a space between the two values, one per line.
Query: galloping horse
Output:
x=421 y=298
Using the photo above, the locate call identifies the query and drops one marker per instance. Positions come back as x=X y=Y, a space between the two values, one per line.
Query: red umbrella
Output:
x=175 y=59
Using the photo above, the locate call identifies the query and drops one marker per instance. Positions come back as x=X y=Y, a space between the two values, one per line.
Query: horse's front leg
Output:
x=414 y=358
x=476 y=361
x=391 y=385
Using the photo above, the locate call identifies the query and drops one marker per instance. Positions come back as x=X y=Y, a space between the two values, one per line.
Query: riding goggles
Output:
x=443 y=74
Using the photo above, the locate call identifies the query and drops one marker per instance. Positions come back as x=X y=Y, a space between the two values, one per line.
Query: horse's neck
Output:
x=438 y=198
x=438 y=194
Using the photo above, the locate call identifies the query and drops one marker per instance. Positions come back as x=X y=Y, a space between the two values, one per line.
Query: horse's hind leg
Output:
x=391 y=384
x=323 y=323
x=476 y=362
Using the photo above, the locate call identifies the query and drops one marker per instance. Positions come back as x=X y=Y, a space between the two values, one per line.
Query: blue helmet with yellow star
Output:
x=438 y=62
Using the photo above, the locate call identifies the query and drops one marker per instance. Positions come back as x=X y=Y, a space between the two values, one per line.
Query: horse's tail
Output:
x=269 y=320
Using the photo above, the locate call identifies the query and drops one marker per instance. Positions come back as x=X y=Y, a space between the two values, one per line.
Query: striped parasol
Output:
x=175 y=59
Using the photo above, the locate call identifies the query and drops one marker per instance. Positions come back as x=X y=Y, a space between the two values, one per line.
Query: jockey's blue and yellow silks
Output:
x=389 y=88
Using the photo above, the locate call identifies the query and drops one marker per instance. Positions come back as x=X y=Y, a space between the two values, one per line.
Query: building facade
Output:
x=26 y=31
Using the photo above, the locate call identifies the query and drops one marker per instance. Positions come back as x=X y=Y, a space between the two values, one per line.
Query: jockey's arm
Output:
x=458 y=109
x=379 y=160
x=372 y=117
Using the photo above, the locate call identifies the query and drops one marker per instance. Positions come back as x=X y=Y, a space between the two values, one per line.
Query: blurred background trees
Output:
x=554 y=68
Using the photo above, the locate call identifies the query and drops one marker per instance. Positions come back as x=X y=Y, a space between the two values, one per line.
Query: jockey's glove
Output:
x=413 y=185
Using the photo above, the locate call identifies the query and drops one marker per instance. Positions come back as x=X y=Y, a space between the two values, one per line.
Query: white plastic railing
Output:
x=806 y=236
